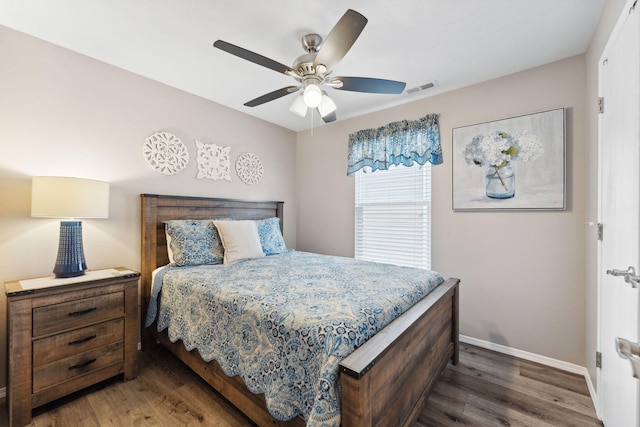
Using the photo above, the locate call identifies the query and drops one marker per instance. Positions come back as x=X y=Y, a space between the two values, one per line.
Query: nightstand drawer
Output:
x=58 y=317
x=65 y=369
x=47 y=350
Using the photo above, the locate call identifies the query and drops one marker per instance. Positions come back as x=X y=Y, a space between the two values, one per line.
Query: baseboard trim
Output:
x=592 y=393
x=543 y=360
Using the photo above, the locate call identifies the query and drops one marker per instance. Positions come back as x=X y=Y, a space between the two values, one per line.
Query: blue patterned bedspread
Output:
x=284 y=322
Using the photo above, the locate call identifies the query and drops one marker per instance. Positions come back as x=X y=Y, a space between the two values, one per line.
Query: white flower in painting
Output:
x=499 y=148
x=530 y=146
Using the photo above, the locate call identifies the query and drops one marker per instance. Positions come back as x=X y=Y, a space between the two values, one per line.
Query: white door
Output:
x=619 y=147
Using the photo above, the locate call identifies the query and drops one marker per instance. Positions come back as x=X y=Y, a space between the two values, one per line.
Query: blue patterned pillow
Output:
x=193 y=242
x=270 y=236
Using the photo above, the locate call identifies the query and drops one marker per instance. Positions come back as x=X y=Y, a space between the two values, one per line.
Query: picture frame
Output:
x=516 y=163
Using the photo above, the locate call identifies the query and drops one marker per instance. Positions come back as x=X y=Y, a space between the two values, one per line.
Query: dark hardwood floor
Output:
x=485 y=389
x=491 y=389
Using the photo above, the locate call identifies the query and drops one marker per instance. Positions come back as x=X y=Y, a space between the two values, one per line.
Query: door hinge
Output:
x=601 y=105
x=600 y=231
x=598 y=359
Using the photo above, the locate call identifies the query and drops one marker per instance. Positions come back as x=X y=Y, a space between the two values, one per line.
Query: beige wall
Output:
x=522 y=272
x=65 y=114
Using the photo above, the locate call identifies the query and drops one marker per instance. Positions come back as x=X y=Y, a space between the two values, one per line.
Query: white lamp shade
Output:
x=327 y=106
x=62 y=197
x=298 y=106
x=312 y=96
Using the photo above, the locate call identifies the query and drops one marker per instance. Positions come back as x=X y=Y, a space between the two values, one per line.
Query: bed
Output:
x=382 y=383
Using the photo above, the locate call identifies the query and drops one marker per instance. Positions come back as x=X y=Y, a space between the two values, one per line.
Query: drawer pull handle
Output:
x=80 y=341
x=82 y=365
x=81 y=312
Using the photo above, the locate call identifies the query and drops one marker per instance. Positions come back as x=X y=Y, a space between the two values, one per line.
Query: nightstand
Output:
x=67 y=334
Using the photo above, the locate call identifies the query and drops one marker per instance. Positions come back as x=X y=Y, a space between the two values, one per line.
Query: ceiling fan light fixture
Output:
x=327 y=106
x=312 y=70
x=312 y=95
x=298 y=106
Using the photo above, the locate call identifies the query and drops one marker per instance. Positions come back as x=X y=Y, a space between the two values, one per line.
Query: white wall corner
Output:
x=543 y=360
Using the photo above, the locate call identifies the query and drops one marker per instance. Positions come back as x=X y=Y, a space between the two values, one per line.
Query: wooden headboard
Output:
x=158 y=208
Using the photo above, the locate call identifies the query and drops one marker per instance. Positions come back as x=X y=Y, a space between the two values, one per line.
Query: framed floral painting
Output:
x=515 y=163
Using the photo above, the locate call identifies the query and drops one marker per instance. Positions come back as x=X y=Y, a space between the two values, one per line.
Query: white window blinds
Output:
x=393 y=216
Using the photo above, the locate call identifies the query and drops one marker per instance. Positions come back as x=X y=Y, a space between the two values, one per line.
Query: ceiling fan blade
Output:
x=369 y=85
x=331 y=117
x=271 y=96
x=340 y=39
x=251 y=56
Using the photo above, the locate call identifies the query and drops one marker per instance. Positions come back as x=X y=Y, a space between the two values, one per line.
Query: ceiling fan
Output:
x=312 y=70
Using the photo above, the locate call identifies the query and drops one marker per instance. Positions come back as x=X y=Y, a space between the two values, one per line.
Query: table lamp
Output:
x=62 y=197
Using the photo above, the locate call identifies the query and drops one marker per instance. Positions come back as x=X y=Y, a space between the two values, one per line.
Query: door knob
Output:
x=629 y=276
x=631 y=351
x=615 y=272
x=634 y=281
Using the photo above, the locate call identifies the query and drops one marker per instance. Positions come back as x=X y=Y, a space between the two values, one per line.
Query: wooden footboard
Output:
x=383 y=383
x=386 y=380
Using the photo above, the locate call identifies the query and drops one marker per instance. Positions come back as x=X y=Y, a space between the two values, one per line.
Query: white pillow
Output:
x=240 y=240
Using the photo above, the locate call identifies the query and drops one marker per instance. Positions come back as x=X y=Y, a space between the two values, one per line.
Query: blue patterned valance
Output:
x=403 y=142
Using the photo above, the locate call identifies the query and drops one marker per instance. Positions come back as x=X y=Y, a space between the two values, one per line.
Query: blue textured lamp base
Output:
x=70 y=261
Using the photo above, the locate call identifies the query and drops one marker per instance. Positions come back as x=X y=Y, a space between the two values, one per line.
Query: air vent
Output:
x=422 y=87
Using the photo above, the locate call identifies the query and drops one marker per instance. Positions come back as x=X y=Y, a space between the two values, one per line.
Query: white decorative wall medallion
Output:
x=213 y=161
x=165 y=153
x=249 y=168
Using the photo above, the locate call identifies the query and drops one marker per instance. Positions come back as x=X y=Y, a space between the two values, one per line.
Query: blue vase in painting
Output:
x=501 y=182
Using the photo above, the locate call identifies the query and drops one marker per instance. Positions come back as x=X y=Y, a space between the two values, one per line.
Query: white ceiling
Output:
x=454 y=43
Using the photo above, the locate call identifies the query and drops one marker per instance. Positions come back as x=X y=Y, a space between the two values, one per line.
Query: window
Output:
x=393 y=216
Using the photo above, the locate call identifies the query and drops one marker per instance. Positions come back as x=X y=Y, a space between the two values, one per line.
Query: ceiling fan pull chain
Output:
x=312 y=114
